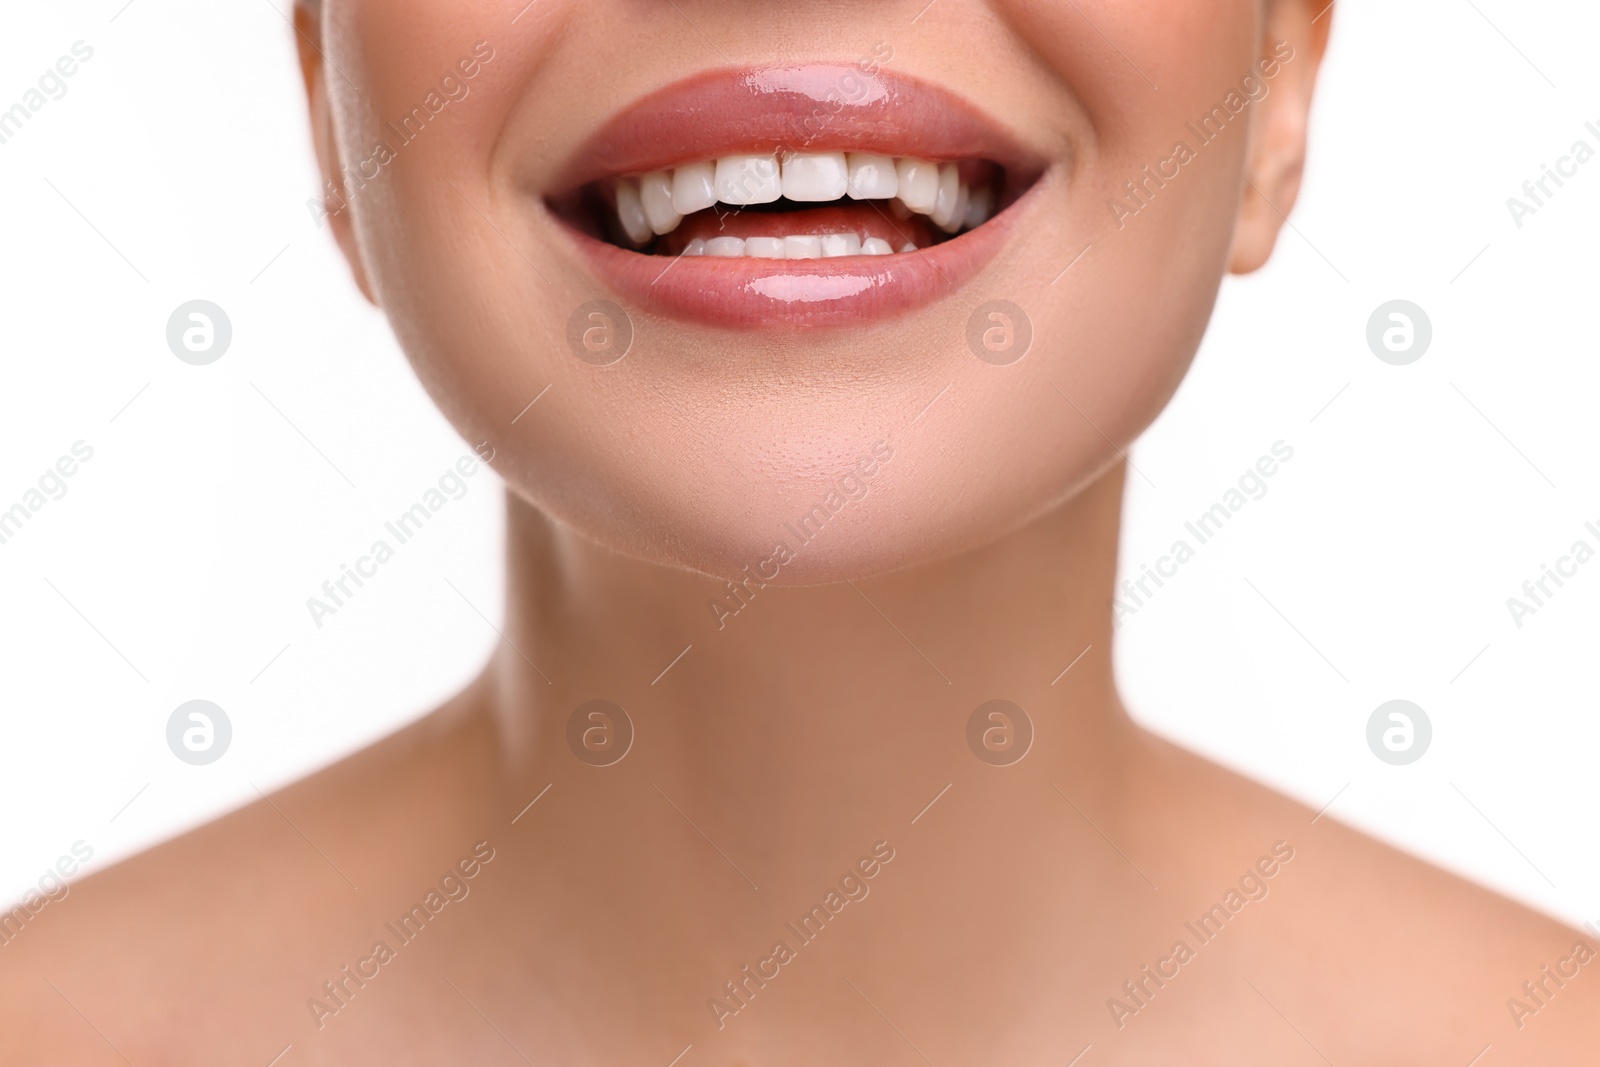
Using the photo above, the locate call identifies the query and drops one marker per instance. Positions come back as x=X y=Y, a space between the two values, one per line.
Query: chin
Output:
x=886 y=503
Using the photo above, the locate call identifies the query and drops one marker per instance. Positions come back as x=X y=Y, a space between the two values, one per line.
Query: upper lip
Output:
x=817 y=107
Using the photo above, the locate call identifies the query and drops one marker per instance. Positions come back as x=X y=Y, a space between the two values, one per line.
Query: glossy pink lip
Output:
x=817 y=107
x=848 y=291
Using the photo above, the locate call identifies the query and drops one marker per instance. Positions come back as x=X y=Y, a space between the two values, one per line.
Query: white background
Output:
x=1377 y=566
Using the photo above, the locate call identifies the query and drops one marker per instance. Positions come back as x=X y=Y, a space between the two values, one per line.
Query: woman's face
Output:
x=510 y=176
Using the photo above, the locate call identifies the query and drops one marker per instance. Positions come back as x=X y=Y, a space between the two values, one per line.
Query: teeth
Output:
x=694 y=187
x=814 y=177
x=958 y=216
x=655 y=192
x=802 y=248
x=630 y=212
x=944 y=201
x=840 y=244
x=744 y=180
x=919 y=184
x=872 y=177
x=725 y=246
x=657 y=202
x=980 y=205
x=795 y=246
x=763 y=247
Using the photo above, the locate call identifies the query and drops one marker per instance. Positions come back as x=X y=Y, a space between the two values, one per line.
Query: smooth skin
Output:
x=826 y=715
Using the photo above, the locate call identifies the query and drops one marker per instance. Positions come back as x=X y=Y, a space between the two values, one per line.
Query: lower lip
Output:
x=810 y=293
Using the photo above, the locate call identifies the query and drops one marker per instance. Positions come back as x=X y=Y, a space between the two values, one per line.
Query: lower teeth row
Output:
x=805 y=246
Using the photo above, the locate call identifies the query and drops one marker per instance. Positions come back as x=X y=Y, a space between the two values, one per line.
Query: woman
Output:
x=808 y=340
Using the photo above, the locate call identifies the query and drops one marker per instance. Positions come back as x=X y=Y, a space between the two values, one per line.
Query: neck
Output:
x=814 y=719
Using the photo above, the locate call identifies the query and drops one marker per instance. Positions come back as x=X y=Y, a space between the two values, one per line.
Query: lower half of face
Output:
x=822 y=290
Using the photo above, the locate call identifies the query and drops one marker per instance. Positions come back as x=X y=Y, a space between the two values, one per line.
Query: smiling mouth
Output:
x=794 y=206
x=814 y=195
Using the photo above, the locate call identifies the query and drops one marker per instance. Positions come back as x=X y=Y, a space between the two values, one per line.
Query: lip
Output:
x=818 y=106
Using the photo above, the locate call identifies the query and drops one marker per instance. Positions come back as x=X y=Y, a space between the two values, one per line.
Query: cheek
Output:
x=1148 y=74
x=1122 y=325
x=1122 y=57
x=437 y=229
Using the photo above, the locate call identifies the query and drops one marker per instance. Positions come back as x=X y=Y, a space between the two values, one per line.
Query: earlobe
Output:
x=324 y=138
x=1298 y=30
x=1272 y=184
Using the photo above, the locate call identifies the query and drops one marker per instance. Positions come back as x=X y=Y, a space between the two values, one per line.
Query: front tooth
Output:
x=655 y=192
x=908 y=247
x=840 y=244
x=959 y=214
x=748 y=180
x=763 y=247
x=694 y=187
x=630 y=212
x=802 y=247
x=696 y=247
x=725 y=246
x=813 y=177
x=919 y=184
x=979 y=207
x=872 y=177
x=944 y=205
x=876 y=246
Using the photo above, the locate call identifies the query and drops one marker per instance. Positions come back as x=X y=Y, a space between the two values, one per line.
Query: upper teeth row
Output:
x=656 y=202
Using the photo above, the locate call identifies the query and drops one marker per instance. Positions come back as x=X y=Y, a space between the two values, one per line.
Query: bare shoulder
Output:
x=213 y=940
x=1366 y=953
